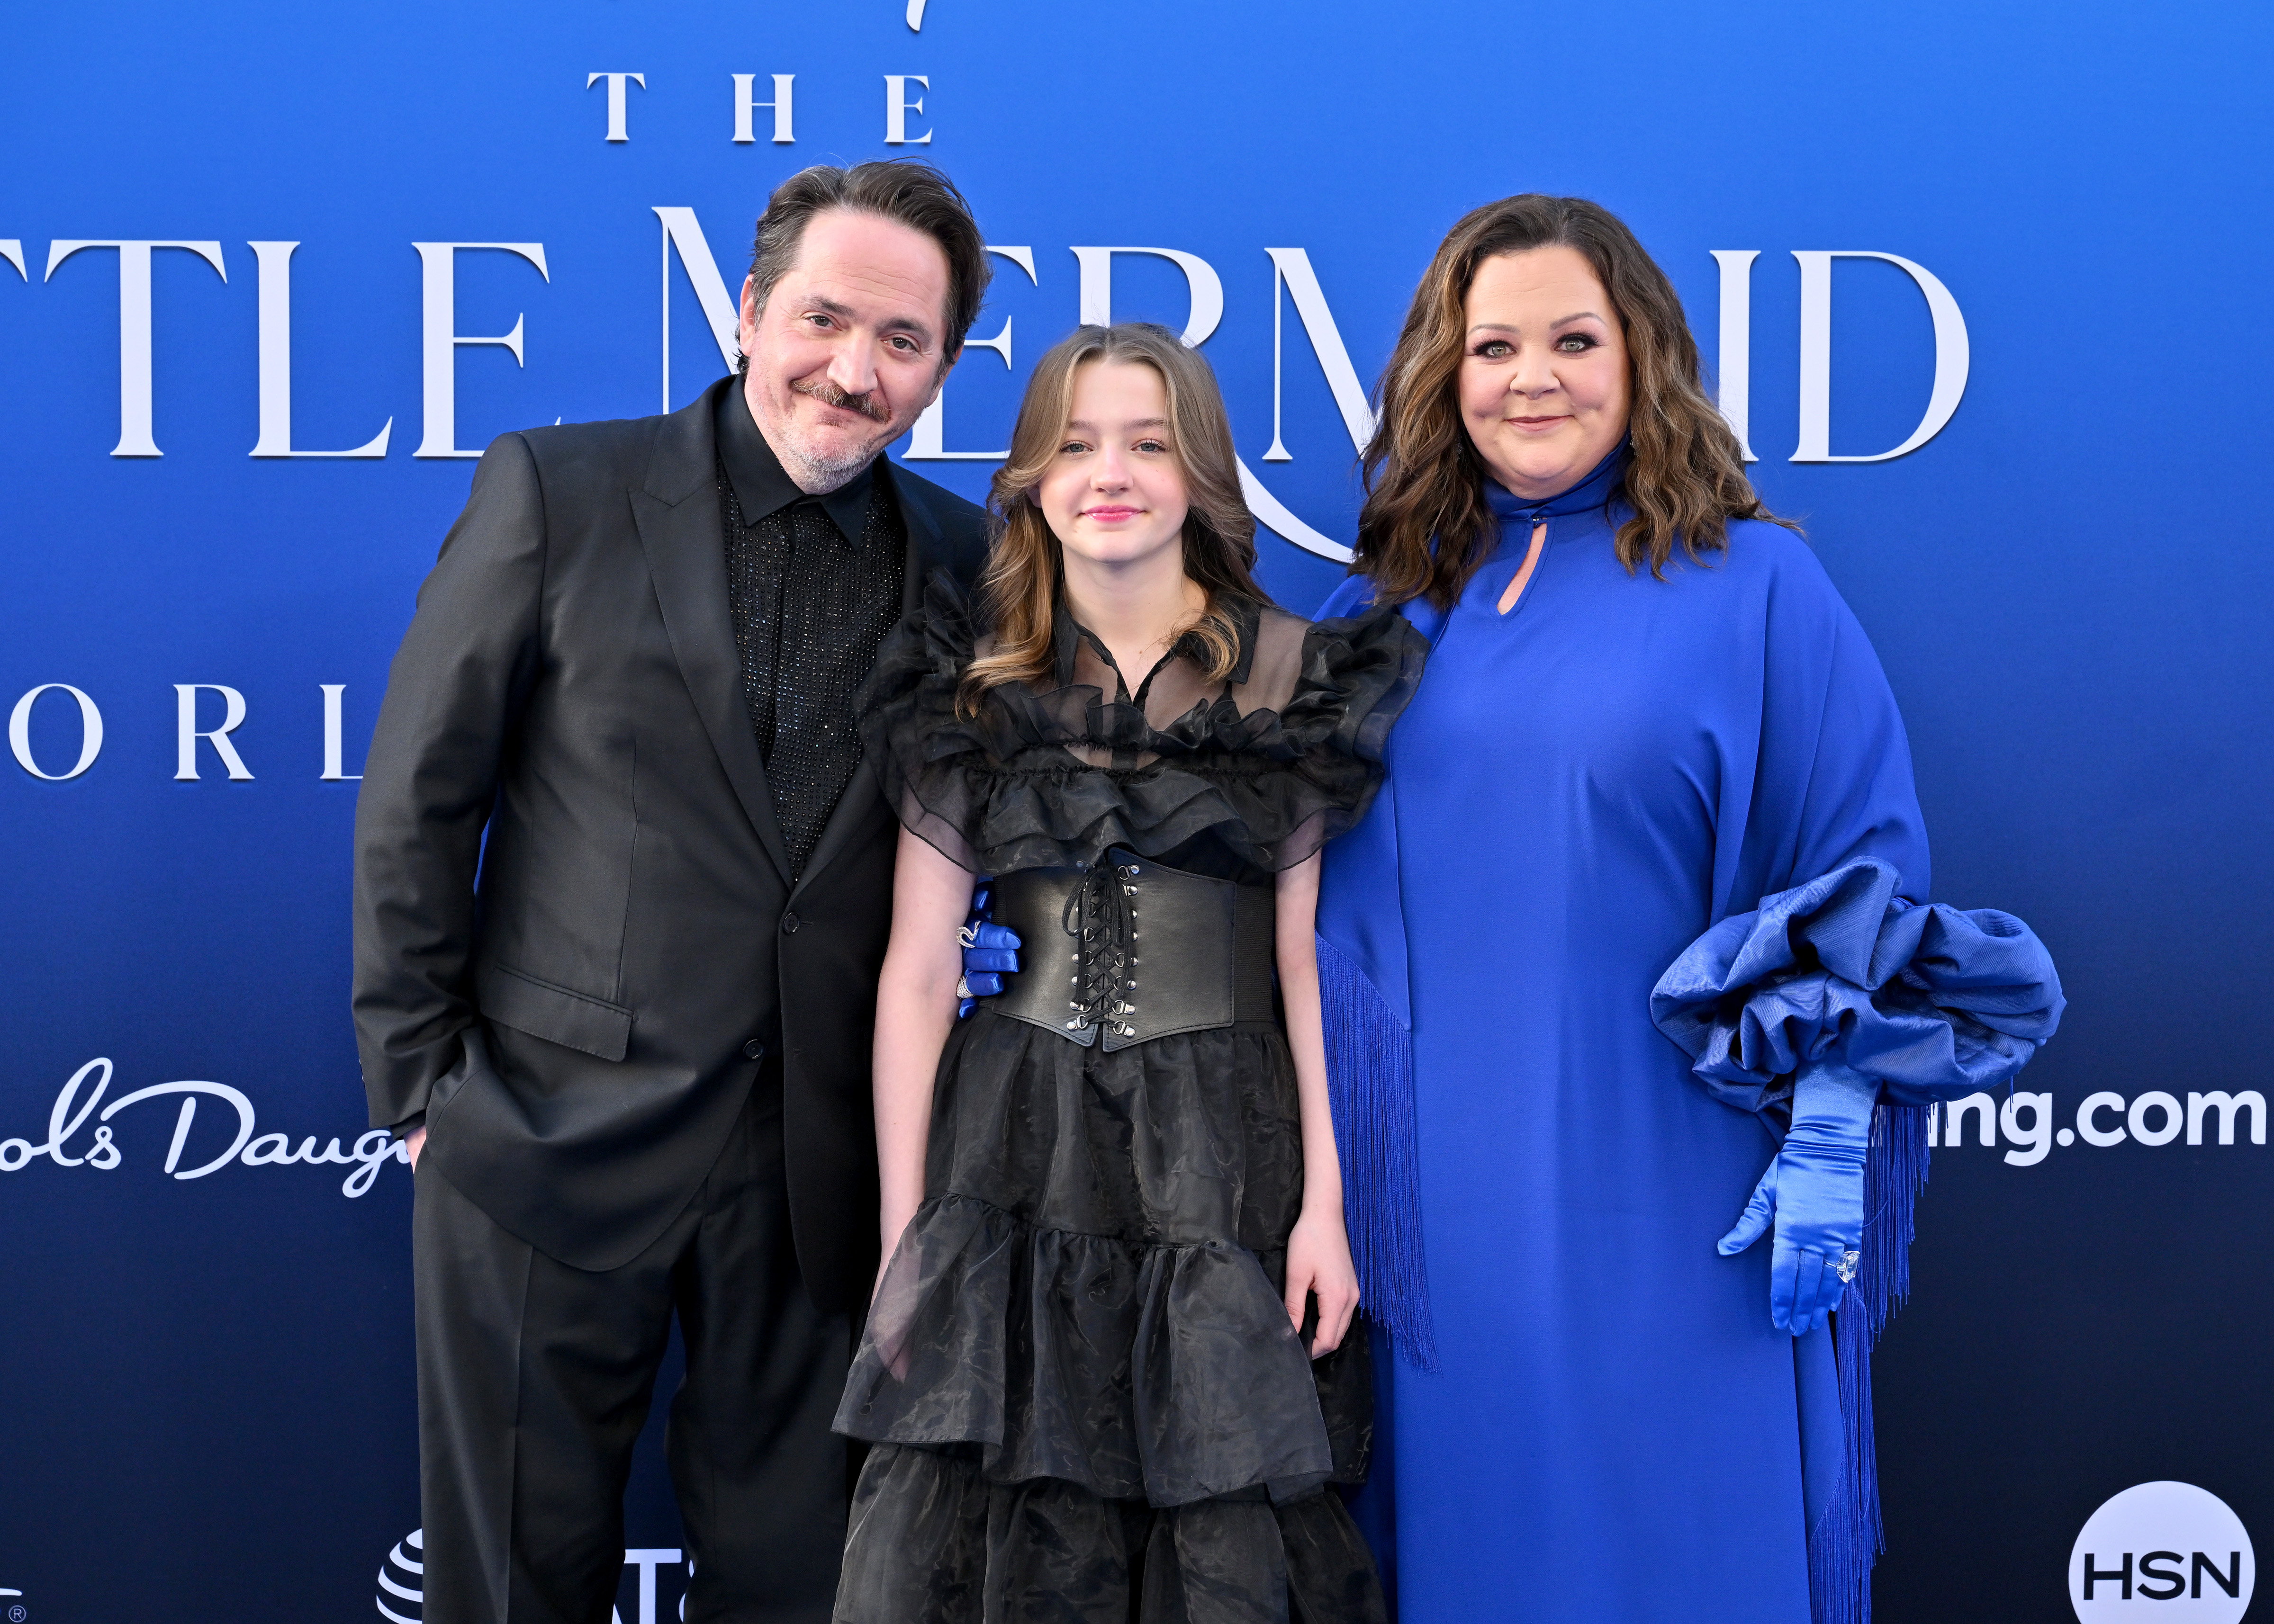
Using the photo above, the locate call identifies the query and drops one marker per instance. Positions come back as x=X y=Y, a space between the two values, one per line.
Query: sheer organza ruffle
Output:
x=935 y=1540
x=1004 y=790
x=1167 y=1374
x=1091 y=1291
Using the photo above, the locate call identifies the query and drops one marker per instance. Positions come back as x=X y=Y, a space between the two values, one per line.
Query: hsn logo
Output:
x=2169 y=1543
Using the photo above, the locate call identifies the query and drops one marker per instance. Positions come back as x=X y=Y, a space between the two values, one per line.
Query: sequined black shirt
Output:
x=813 y=584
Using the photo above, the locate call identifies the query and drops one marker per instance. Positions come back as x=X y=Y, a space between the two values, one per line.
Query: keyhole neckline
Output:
x=1521 y=581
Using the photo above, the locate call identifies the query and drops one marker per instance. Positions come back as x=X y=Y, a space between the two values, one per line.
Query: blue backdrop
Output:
x=205 y=1397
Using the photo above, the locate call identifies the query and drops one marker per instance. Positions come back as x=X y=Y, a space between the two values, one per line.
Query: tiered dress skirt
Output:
x=1086 y=1397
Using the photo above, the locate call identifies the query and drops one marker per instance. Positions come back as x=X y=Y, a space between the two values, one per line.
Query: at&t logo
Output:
x=403 y=1583
x=2171 y=1544
x=401 y=1579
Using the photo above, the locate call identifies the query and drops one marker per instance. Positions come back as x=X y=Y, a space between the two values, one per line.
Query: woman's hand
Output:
x=1319 y=1265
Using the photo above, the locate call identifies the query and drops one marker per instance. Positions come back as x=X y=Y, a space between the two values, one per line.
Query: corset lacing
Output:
x=1101 y=914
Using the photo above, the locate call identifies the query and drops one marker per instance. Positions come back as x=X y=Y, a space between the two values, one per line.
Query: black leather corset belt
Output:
x=1134 y=949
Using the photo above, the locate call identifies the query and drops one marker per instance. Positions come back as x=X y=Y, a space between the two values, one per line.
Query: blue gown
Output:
x=1613 y=1431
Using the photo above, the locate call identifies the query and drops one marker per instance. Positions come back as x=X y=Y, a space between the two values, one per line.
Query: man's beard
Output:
x=818 y=474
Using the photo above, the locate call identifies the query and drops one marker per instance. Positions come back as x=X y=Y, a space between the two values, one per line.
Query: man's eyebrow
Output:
x=891 y=324
x=907 y=324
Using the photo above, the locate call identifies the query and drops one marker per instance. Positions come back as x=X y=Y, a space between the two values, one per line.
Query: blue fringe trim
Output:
x=1370 y=1085
x=1845 y=1545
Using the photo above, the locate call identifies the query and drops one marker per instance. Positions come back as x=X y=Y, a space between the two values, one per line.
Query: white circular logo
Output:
x=2171 y=1544
x=401 y=1579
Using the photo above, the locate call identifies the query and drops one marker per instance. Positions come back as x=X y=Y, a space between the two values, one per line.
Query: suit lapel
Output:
x=924 y=555
x=863 y=795
x=683 y=533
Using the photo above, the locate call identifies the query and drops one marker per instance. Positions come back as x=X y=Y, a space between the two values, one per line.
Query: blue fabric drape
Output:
x=1369 y=1014
x=1931 y=1003
x=1583 y=788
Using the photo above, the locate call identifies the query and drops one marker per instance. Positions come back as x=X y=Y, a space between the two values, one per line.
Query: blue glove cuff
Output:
x=1832 y=1103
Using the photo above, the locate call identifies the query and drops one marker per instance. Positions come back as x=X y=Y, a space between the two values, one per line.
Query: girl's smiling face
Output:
x=1114 y=494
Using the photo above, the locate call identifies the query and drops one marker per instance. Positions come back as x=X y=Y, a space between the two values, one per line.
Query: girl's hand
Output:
x=1318 y=1251
x=891 y=1229
x=888 y=1336
x=1319 y=1265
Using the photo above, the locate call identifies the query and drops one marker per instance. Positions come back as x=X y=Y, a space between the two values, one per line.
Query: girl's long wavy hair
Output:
x=1685 y=478
x=1020 y=591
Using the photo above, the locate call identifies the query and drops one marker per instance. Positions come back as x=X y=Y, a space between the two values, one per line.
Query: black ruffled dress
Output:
x=1086 y=1400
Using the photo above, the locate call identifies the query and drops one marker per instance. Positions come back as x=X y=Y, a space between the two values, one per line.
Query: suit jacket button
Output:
x=789 y=924
x=754 y=1050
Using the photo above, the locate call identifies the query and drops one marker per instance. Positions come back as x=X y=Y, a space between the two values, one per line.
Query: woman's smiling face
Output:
x=1544 y=384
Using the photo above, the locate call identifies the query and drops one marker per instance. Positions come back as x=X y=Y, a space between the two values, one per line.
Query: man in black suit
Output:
x=623 y=889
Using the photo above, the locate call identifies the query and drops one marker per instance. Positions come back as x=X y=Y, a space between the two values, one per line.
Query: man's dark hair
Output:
x=903 y=189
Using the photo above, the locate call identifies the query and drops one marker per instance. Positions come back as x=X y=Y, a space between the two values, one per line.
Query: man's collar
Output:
x=762 y=488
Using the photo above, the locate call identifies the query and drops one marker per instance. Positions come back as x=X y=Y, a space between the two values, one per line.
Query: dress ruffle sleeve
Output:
x=1002 y=790
x=1932 y=1002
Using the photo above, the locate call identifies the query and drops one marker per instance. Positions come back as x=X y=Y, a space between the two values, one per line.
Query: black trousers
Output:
x=534 y=1381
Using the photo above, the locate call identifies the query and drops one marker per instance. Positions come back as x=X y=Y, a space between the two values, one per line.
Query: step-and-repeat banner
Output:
x=1983 y=286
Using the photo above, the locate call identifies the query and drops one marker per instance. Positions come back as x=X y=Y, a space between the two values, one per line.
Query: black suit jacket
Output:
x=581 y=1024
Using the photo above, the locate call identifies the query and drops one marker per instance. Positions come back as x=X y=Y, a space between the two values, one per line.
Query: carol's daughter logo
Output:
x=80 y=1119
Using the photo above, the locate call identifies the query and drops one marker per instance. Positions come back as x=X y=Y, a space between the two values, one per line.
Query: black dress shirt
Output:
x=813 y=583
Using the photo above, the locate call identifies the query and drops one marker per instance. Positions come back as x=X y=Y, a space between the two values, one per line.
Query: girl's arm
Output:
x=1318 y=1252
x=915 y=1010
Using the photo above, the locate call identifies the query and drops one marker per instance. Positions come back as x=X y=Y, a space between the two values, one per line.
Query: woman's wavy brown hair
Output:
x=1020 y=591
x=1685 y=478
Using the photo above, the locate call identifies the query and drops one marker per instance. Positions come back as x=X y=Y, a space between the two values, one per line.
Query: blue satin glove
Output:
x=991 y=952
x=1813 y=1192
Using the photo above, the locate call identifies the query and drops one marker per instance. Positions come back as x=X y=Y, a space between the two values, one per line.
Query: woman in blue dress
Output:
x=1634 y=943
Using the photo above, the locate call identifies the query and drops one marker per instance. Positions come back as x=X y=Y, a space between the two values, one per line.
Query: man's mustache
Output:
x=870 y=405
